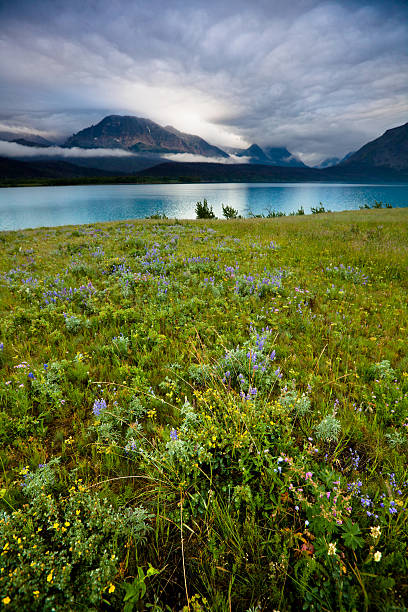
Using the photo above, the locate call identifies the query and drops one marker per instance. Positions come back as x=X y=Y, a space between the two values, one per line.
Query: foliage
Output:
x=319 y=209
x=204 y=211
x=229 y=212
x=64 y=551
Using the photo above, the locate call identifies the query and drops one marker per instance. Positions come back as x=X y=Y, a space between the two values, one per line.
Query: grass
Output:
x=205 y=415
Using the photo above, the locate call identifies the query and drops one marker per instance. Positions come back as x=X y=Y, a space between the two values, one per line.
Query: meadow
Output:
x=205 y=416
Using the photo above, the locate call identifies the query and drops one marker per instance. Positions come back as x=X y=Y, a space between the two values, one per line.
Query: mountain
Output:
x=255 y=153
x=280 y=156
x=274 y=156
x=33 y=139
x=140 y=135
x=388 y=151
x=31 y=143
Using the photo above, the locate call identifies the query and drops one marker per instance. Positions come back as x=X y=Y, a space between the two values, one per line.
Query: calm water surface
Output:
x=46 y=206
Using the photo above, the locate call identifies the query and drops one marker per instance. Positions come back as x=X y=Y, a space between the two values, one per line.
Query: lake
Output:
x=24 y=207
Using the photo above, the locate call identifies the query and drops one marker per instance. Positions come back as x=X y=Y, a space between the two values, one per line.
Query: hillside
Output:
x=388 y=151
x=15 y=169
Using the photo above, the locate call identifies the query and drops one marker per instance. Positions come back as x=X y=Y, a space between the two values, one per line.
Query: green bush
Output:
x=229 y=212
x=63 y=551
x=203 y=211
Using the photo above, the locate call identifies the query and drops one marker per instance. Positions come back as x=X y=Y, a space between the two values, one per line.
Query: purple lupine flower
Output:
x=173 y=435
x=98 y=406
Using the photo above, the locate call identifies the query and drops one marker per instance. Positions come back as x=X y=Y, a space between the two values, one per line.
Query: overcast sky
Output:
x=321 y=78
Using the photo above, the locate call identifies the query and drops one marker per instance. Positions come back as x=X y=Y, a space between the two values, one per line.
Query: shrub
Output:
x=229 y=212
x=203 y=211
x=80 y=540
x=73 y=323
x=319 y=209
x=328 y=429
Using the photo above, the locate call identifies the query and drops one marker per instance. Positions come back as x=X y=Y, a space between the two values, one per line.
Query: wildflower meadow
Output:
x=205 y=416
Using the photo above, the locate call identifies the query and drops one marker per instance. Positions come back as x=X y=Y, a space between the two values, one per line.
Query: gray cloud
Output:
x=13 y=149
x=190 y=157
x=319 y=77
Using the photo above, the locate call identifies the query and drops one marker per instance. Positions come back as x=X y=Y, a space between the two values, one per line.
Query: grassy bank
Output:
x=205 y=415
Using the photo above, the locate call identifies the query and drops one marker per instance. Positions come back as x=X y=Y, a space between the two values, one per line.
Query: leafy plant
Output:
x=204 y=211
x=136 y=590
x=328 y=430
x=229 y=212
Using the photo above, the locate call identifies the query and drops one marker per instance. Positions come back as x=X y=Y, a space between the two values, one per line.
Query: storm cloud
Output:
x=320 y=78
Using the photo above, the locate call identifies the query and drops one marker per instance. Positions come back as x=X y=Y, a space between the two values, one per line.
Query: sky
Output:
x=319 y=77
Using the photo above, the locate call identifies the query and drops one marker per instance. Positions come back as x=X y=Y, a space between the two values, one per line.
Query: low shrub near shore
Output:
x=205 y=415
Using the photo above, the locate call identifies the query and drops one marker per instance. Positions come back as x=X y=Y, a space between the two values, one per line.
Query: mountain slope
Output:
x=256 y=154
x=388 y=151
x=197 y=145
x=140 y=135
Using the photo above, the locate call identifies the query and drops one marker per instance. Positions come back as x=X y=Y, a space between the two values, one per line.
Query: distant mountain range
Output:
x=145 y=136
x=385 y=158
x=29 y=140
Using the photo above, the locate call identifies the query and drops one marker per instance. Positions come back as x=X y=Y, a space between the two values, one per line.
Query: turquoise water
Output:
x=70 y=205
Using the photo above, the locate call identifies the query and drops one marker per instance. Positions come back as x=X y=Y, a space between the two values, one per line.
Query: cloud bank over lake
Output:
x=13 y=149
